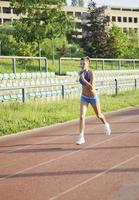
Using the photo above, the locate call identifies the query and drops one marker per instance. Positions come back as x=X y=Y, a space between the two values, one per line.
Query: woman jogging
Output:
x=89 y=95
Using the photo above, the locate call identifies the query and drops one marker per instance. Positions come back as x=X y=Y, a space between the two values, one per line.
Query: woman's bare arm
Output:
x=90 y=84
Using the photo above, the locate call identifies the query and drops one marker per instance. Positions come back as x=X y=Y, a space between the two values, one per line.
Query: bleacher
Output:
x=103 y=74
x=49 y=85
x=105 y=79
x=43 y=84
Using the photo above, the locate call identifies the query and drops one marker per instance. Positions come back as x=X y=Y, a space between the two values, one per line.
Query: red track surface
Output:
x=45 y=164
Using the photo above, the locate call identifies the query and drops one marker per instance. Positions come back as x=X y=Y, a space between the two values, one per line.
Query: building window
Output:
x=119 y=19
x=130 y=30
x=136 y=30
x=7 y=21
x=108 y=18
x=15 y=11
x=135 y=20
x=6 y=10
x=136 y=10
x=0 y=21
x=70 y=13
x=124 y=19
x=78 y=15
x=126 y=9
x=113 y=19
x=78 y=25
x=85 y=14
x=15 y=20
x=130 y=19
x=125 y=30
x=115 y=9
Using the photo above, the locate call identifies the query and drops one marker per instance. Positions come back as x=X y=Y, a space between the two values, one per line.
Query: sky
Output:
x=125 y=3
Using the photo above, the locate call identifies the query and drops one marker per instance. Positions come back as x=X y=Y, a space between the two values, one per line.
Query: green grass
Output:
x=16 y=117
x=6 y=66
x=66 y=65
x=74 y=65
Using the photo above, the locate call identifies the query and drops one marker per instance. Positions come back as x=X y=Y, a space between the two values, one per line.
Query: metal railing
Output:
x=24 y=89
x=102 y=63
x=15 y=58
x=116 y=85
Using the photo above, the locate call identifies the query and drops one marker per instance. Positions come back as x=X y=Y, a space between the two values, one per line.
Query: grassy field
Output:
x=6 y=66
x=74 y=65
x=17 y=116
x=66 y=65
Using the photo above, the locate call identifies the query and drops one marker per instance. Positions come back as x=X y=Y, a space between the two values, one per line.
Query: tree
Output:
x=41 y=20
x=6 y=38
x=60 y=47
x=81 y=3
x=74 y=2
x=133 y=45
x=7 y=42
x=63 y=49
x=117 y=43
x=95 y=33
x=65 y=2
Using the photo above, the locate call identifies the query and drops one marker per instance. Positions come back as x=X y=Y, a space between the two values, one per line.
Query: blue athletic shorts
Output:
x=91 y=100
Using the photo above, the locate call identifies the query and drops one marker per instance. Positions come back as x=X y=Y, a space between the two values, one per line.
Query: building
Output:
x=79 y=14
x=126 y=18
x=7 y=14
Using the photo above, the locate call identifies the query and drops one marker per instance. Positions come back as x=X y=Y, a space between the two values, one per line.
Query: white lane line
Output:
x=93 y=177
x=30 y=145
x=49 y=140
x=63 y=156
x=26 y=147
x=56 y=159
x=59 y=137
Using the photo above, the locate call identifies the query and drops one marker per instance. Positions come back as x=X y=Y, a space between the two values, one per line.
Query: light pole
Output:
x=40 y=54
x=0 y=47
x=70 y=46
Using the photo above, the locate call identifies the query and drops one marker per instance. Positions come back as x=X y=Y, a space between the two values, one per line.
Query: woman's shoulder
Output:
x=90 y=72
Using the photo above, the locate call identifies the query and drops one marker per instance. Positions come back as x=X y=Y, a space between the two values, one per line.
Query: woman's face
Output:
x=84 y=64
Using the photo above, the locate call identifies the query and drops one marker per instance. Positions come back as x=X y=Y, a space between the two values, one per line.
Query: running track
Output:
x=45 y=164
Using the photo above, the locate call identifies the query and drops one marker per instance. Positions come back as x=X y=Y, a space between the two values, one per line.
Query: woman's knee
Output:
x=82 y=117
x=100 y=115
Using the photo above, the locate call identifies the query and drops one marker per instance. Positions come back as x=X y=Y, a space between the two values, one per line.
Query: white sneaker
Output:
x=80 y=139
x=107 y=129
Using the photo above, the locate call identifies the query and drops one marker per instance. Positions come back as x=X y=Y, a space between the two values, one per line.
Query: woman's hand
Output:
x=81 y=72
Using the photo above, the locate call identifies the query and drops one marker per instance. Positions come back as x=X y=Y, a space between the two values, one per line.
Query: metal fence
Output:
x=62 y=91
x=98 y=64
x=14 y=60
x=69 y=64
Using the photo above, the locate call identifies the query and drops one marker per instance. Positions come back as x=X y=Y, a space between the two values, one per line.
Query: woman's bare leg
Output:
x=83 y=109
x=98 y=113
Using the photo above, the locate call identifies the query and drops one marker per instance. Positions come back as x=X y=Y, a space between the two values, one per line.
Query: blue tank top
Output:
x=86 y=77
